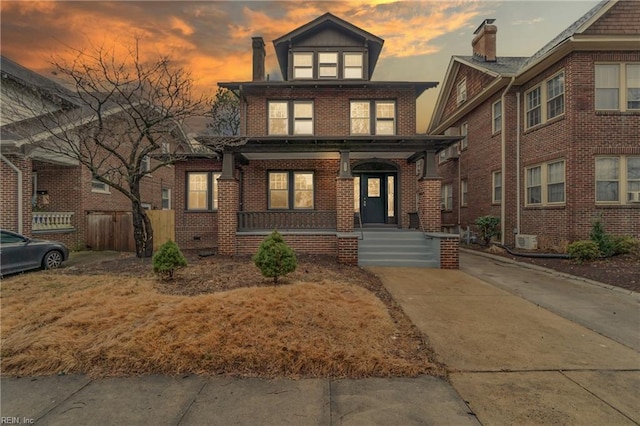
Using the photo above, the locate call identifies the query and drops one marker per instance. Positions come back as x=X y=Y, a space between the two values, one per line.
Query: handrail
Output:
x=360 y=224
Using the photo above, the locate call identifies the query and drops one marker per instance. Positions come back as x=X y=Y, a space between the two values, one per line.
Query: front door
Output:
x=373 y=195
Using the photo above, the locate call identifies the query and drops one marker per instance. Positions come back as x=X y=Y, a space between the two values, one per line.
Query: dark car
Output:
x=19 y=253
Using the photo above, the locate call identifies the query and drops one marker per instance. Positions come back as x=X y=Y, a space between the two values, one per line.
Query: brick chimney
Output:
x=484 y=43
x=259 y=54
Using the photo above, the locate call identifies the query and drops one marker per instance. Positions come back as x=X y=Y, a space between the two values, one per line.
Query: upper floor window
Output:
x=97 y=186
x=543 y=105
x=464 y=130
x=381 y=113
x=353 y=65
x=462 y=92
x=618 y=179
x=496 y=115
x=328 y=65
x=166 y=198
x=617 y=86
x=302 y=65
x=545 y=183
x=301 y=113
x=202 y=191
x=145 y=164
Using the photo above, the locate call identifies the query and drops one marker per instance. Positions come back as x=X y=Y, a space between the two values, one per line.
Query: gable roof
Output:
x=282 y=44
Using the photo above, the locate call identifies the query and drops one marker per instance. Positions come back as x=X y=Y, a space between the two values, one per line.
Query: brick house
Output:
x=53 y=197
x=551 y=142
x=325 y=155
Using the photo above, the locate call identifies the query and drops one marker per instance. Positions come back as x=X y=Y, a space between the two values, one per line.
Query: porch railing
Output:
x=51 y=221
x=313 y=220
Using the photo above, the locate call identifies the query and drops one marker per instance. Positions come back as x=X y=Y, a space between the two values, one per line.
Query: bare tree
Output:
x=126 y=111
x=225 y=114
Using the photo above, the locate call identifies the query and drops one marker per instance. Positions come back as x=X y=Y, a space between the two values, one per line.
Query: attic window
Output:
x=303 y=65
x=328 y=65
x=353 y=65
x=462 y=91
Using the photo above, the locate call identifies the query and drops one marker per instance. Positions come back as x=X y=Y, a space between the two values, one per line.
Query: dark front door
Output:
x=373 y=195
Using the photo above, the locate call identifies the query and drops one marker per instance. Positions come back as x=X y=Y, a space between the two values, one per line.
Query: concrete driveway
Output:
x=513 y=361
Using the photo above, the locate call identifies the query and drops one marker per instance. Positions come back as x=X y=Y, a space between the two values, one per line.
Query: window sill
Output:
x=544 y=124
x=545 y=207
x=100 y=191
x=605 y=113
x=618 y=206
x=201 y=211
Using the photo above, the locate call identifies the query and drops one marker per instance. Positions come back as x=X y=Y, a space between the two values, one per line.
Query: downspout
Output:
x=503 y=131
x=19 y=174
x=518 y=162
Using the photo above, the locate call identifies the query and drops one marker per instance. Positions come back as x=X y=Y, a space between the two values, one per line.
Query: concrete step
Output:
x=394 y=247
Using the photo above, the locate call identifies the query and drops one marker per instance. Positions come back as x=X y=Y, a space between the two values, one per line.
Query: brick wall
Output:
x=622 y=18
x=227 y=215
x=429 y=193
x=300 y=243
x=449 y=252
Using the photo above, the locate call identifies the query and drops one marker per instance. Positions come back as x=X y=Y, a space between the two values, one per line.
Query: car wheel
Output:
x=52 y=260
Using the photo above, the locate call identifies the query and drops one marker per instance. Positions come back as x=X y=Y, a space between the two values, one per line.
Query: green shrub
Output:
x=602 y=239
x=625 y=244
x=584 y=251
x=167 y=259
x=274 y=257
x=488 y=227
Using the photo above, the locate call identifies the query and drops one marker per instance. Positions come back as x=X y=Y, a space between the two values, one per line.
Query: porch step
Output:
x=396 y=247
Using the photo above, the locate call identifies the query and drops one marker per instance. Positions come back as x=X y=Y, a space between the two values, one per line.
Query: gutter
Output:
x=503 y=167
x=20 y=195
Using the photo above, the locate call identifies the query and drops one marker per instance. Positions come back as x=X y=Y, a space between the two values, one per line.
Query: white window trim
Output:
x=461 y=91
x=494 y=186
x=544 y=184
x=106 y=189
x=544 y=102
x=168 y=198
x=495 y=130
x=464 y=192
x=446 y=197
x=623 y=181
x=622 y=86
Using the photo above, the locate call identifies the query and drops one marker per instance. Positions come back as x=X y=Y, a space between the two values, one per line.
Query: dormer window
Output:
x=328 y=65
x=353 y=65
x=303 y=65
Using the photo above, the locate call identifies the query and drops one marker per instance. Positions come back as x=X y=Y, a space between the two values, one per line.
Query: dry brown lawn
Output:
x=218 y=317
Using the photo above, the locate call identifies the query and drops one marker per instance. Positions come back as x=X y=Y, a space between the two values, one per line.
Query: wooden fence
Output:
x=163 y=223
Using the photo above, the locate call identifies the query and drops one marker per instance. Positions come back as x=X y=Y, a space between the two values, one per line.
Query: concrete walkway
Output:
x=523 y=346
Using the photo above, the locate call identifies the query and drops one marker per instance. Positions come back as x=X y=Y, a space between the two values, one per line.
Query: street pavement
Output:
x=522 y=345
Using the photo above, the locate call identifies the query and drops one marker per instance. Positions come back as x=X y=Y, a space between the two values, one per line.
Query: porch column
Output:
x=228 y=192
x=346 y=238
x=429 y=186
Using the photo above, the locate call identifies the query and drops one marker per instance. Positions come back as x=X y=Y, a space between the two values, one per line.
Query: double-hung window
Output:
x=353 y=65
x=618 y=86
x=301 y=113
x=291 y=189
x=534 y=107
x=618 y=179
x=545 y=101
x=446 y=197
x=202 y=191
x=555 y=96
x=302 y=65
x=464 y=189
x=461 y=92
x=545 y=184
x=381 y=113
x=97 y=186
x=166 y=198
x=496 y=197
x=464 y=130
x=328 y=65
x=496 y=115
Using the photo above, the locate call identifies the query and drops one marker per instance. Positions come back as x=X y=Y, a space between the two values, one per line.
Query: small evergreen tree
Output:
x=488 y=227
x=602 y=239
x=168 y=259
x=274 y=257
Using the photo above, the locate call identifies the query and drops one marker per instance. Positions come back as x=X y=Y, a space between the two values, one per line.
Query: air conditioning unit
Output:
x=449 y=153
x=527 y=242
x=634 y=196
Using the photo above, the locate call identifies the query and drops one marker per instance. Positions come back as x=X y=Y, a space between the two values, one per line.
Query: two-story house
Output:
x=51 y=196
x=551 y=141
x=321 y=147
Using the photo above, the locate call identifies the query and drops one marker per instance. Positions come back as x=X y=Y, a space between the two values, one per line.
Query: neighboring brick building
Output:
x=315 y=148
x=552 y=140
x=57 y=197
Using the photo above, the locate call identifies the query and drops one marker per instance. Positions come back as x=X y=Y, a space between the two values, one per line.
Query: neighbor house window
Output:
x=328 y=65
x=618 y=86
x=545 y=101
x=497 y=116
x=618 y=179
x=291 y=188
x=545 y=183
x=461 y=94
x=353 y=65
x=97 y=186
x=303 y=65
x=278 y=118
x=464 y=129
x=497 y=188
x=202 y=191
x=382 y=113
x=166 y=198
x=145 y=164
x=463 y=192
x=446 y=197
x=303 y=118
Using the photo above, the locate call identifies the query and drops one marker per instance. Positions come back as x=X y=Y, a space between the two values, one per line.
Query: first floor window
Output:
x=618 y=179
x=166 y=198
x=497 y=116
x=97 y=186
x=202 y=190
x=446 y=197
x=497 y=188
x=545 y=183
x=463 y=192
x=289 y=189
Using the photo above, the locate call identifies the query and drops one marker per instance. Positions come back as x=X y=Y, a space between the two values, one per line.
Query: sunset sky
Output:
x=213 y=38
